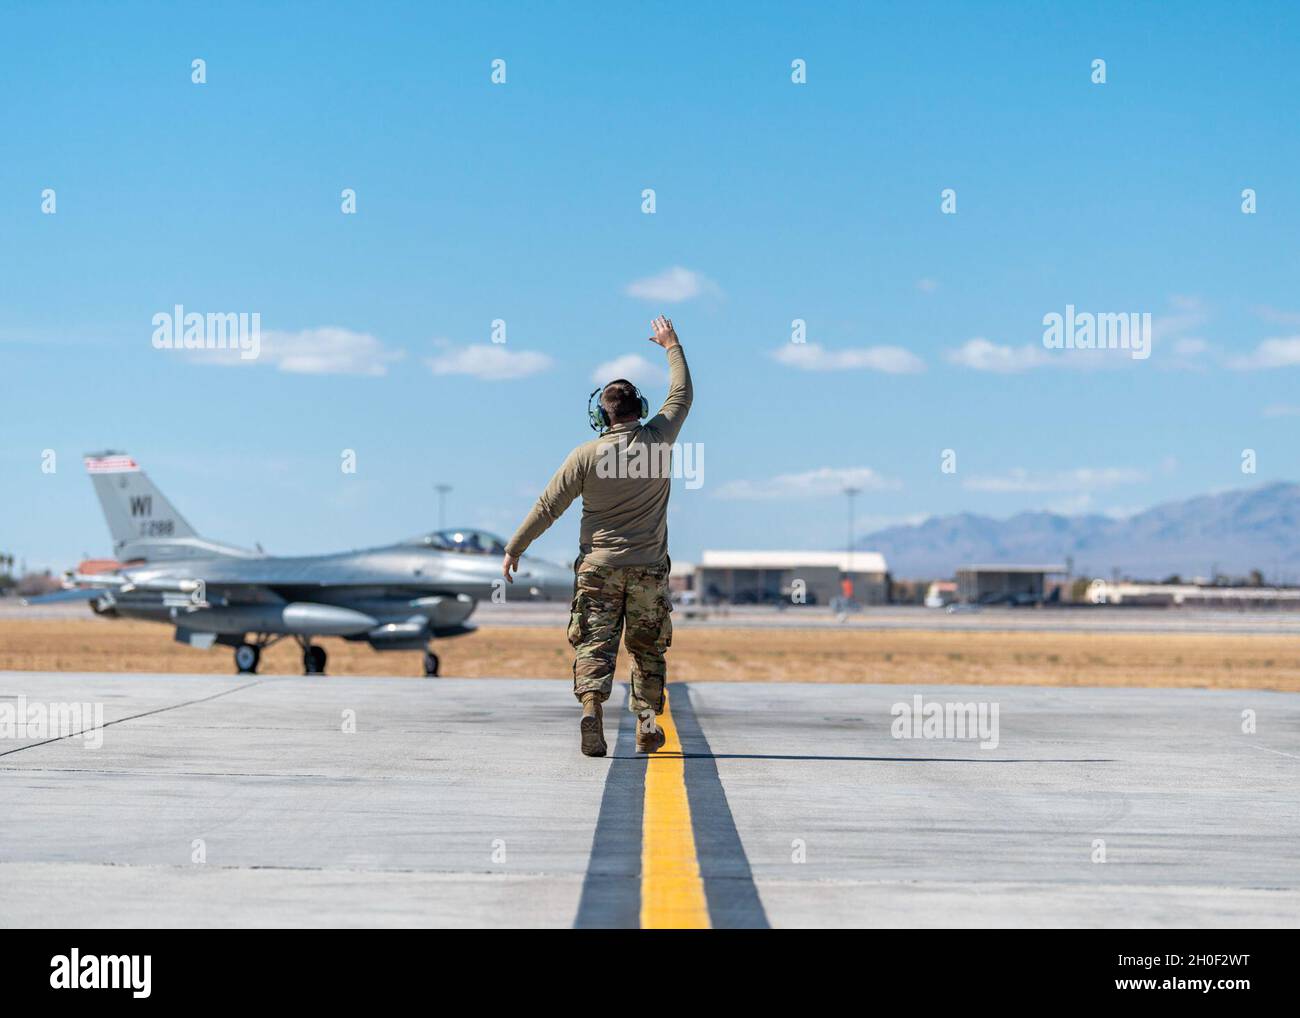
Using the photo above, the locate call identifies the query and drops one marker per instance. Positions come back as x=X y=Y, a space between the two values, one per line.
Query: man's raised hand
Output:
x=665 y=335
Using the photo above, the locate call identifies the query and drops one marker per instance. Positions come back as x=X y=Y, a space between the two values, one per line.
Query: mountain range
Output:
x=1230 y=533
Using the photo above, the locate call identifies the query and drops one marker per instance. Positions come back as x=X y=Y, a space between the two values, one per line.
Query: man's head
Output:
x=621 y=401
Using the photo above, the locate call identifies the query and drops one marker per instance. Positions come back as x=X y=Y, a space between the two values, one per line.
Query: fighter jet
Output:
x=397 y=597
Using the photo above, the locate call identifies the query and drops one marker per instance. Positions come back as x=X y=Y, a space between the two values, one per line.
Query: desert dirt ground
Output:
x=1195 y=660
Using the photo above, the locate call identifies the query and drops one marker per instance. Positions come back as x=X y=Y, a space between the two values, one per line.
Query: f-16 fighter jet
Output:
x=397 y=597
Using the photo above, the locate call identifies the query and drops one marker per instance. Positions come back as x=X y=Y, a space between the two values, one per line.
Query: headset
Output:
x=596 y=416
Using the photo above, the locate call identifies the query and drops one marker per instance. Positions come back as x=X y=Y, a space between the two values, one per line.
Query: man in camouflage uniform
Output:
x=621 y=574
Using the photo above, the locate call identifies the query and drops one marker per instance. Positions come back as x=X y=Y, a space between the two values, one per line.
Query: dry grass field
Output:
x=716 y=653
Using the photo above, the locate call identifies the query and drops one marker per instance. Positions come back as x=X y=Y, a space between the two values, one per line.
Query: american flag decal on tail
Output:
x=115 y=464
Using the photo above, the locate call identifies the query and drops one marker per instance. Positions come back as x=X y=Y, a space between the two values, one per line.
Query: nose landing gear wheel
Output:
x=430 y=663
x=246 y=657
x=313 y=661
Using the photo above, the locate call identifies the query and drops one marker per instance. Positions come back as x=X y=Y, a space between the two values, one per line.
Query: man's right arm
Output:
x=672 y=415
x=565 y=486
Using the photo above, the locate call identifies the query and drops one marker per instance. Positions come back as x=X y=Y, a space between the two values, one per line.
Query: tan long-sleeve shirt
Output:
x=624 y=477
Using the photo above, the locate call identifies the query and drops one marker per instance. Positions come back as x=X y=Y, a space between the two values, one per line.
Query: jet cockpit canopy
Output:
x=467 y=542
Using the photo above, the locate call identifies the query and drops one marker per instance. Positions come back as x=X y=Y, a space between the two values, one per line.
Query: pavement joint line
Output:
x=1265 y=749
x=132 y=717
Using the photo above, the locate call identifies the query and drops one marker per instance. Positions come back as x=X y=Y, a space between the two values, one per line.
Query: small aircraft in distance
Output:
x=397 y=597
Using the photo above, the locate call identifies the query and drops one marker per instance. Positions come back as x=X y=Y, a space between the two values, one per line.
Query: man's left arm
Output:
x=563 y=488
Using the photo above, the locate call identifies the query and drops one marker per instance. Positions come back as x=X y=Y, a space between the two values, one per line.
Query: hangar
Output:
x=1001 y=583
x=768 y=577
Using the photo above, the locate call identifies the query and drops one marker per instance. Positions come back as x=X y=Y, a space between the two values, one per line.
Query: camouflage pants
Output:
x=632 y=601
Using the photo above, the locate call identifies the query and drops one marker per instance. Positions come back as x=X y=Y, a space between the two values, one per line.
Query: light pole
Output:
x=442 y=490
x=852 y=493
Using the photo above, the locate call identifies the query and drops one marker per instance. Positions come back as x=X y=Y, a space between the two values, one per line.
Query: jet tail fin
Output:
x=142 y=522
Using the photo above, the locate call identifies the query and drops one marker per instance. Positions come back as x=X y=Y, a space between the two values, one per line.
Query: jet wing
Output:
x=97 y=586
x=60 y=596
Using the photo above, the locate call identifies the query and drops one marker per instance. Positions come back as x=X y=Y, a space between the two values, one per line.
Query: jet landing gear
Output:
x=431 y=664
x=313 y=657
x=247 y=655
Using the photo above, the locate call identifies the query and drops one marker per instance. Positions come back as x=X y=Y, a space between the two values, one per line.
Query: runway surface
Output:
x=909 y=617
x=1070 y=619
x=248 y=802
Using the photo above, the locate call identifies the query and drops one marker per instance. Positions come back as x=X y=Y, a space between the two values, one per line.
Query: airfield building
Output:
x=1000 y=583
x=682 y=577
x=1193 y=595
x=770 y=577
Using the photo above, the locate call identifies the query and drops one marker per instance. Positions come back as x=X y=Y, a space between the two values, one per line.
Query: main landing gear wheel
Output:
x=246 y=657
x=430 y=663
x=313 y=661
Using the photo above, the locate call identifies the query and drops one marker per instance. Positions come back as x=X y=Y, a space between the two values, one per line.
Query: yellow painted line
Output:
x=672 y=890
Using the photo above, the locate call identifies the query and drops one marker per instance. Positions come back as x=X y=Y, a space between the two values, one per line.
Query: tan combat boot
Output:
x=592 y=725
x=649 y=736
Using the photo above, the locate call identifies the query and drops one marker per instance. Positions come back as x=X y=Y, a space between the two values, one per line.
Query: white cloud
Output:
x=1072 y=505
x=1187 y=353
x=1080 y=479
x=631 y=366
x=1122 y=512
x=1169 y=330
x=672 y=286
x=927 y=285
x=1276 y=316
x=809 y=484
x=1283 y=352
x=1185 y=313
x=328 y=350
x=491 y=362
x=979 y=354
x=893 y=360
x=867 y=524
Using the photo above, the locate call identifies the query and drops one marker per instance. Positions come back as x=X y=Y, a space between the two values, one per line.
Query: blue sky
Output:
x=522 y=201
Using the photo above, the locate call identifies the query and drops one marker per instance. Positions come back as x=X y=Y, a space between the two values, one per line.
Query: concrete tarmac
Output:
x=285 y=801
x=1049 y=619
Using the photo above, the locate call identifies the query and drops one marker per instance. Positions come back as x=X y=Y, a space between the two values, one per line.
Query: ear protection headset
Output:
x=596 y=416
